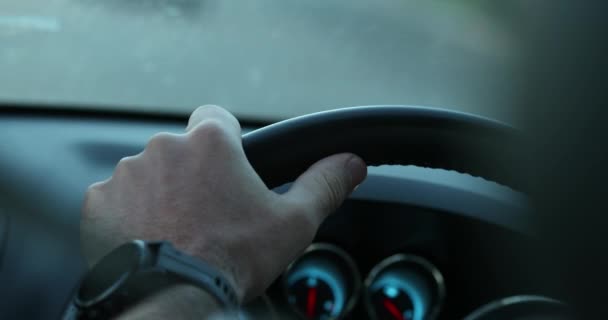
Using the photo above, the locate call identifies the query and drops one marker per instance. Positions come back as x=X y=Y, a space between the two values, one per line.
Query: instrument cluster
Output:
x=324 y=283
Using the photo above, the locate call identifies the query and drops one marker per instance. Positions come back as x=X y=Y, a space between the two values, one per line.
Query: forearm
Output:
x=180 y=302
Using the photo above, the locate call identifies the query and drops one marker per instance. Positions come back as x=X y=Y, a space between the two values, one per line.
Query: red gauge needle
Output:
x=311 y=301
x=392 y=309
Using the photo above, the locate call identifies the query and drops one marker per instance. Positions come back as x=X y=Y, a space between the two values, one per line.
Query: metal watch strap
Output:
x=198 y=273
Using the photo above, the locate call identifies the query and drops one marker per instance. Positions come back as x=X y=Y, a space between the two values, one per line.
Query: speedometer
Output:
x=322 y=284
x=404 y=287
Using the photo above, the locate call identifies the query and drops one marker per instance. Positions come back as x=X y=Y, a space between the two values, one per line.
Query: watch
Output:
x=138 y=269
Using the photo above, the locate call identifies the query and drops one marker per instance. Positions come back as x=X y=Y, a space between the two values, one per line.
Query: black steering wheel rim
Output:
x=403 y=135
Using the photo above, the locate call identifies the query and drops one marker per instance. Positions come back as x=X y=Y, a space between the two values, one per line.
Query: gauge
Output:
x=404 y=287
x=522 y=307
x=323 y=283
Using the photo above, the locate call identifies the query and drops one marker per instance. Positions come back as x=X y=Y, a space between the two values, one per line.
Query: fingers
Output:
x=213 y=114
x=325 y=185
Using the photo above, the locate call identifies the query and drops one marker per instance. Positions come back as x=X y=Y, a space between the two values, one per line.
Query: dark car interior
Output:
x=491 y=207
x=447 y=242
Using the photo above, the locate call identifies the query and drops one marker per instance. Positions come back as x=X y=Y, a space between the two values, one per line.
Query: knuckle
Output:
x=91 y=198
x=96 y=186
x=209 y=108
x=159 y=141
x=124 y=166
x=124 y=163
x=209 y=130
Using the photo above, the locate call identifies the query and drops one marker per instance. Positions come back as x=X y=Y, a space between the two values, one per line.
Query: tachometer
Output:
x=404 y=287
x=322 y=284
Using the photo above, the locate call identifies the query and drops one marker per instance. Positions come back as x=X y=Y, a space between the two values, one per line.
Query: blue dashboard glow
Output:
x=312 y=282
x=312 y=274
x=390 y=284
x=391 y=291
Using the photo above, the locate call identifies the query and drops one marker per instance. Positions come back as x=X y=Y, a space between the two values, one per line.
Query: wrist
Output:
x=140 y=270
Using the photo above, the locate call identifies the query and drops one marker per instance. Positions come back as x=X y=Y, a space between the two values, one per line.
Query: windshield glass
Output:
x=264 y=59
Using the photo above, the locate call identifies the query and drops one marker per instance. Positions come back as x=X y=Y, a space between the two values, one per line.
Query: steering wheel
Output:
x=402 y=135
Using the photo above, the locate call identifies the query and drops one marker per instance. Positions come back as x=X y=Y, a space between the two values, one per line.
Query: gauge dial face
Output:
x=404 y=287
x=322 y=284
x=315 y=298
x=392 y=302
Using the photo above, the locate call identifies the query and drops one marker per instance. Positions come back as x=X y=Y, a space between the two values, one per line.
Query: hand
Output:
x=198 y=191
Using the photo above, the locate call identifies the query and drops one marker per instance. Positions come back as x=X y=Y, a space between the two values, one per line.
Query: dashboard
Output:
x=411 y=243
x=374 y=260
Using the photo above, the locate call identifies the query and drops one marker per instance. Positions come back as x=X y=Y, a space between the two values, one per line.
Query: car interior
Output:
x=417 y=241
x=420 y=92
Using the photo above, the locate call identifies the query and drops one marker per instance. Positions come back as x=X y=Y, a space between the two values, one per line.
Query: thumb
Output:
x=327 y=183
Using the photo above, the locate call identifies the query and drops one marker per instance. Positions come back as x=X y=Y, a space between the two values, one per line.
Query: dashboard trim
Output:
x=495 y=305
x=508 y=209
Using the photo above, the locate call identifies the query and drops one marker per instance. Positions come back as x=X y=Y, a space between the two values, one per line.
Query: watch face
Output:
x=110 y=273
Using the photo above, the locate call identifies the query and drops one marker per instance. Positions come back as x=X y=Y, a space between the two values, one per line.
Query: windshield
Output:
x=264 y=59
